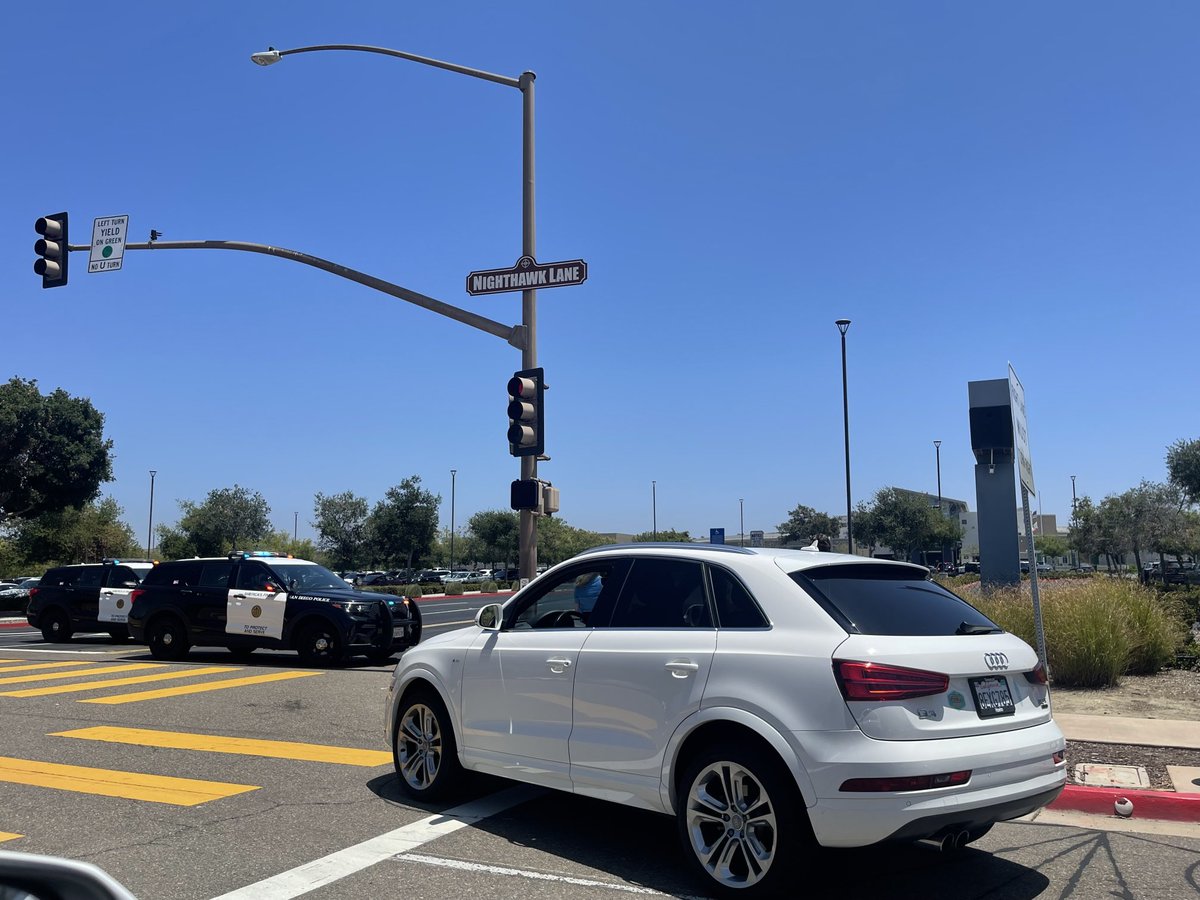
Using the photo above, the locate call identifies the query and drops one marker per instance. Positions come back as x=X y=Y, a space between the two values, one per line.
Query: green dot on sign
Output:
x=106 y=252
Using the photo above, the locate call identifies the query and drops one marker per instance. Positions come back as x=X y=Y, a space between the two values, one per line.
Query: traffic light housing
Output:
x=52 y=250
x=526 y=413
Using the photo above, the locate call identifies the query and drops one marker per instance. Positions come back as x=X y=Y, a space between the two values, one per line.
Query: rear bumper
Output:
x=1012 y=774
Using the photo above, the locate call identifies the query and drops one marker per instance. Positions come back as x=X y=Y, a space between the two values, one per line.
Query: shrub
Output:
x=489 y=587
x=1096 y=629
x=515 y=586
x=413 y=590
x=454 y=589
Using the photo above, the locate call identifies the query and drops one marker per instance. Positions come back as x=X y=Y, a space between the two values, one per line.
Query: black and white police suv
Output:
x=85 y=598
x=249 y=600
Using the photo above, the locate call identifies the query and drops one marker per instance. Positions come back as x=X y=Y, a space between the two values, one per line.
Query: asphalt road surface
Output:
x=266 y=779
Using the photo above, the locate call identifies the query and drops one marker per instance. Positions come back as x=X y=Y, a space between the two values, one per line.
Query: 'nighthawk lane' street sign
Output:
x=527 y=274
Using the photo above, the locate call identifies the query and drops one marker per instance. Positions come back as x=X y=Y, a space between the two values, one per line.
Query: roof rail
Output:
x=668 y=545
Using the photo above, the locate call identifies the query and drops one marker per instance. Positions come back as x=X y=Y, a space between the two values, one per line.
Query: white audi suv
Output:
x=770 y=700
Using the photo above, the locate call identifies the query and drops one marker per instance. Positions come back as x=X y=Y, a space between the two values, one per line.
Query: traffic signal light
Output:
x=526 y=414
x=51 y=249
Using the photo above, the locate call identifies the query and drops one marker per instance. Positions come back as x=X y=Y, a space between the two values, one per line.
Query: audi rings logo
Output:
x=995 y=661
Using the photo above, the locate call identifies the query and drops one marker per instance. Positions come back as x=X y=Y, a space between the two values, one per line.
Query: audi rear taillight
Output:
x=877 y=681
x=1037 y=675
x=906 y=782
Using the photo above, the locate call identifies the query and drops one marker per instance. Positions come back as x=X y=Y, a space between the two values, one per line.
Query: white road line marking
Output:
x=464 y=866
x=341 y=863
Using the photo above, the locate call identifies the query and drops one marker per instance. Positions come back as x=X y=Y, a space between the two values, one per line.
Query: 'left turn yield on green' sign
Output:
x=108 y=243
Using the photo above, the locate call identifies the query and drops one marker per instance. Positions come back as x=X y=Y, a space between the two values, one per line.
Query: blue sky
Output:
x=970 y=184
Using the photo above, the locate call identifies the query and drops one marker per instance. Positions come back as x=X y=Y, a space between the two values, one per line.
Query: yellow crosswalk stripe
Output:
x=211 y=743
x=76 y=673
x=29 y=667
x=116 y=682
x=111 y=783
x=199 y=688
x=8 y=836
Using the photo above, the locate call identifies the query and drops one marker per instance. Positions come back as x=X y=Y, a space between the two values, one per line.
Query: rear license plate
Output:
x=992 y=696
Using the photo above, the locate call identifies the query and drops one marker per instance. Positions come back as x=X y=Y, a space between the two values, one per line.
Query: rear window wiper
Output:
x=968 y=628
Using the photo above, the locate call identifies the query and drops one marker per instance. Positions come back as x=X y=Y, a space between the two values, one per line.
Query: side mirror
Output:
x=28 y=874
x=490 y=617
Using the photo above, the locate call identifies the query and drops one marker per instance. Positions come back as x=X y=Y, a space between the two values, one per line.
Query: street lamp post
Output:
x=527 y=554
x=937 y=446
x=453 y=476
x=842 y=325
x=150 y=527
x=1074 y=552
x=742 y=519
x=654 y=508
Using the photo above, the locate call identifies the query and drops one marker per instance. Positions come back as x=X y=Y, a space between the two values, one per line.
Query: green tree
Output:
x=172 y=543
x=497 y=531
x=904 y=521
x=1052 y=545
x=85 y=534
x=670 y=536
x=558 y=541
x=228 y=519
x=341 y=523
x=402 y=527
x=805 y=524
x=1183 y=468
x=53 y=454
x=866 y=528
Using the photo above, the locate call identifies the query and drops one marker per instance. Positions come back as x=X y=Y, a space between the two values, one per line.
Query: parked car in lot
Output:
x=259 y=599
x=767 y=699
x=94 y=597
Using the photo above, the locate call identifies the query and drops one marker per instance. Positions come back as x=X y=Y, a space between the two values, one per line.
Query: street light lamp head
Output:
x=842 y=325
x=267 y=57
x=937 y=443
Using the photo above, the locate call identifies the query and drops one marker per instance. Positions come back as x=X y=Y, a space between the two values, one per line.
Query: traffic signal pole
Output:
x=527 y=533
x=513 y=334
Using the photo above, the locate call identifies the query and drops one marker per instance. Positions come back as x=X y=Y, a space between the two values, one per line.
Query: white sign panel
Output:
x=108 y=243
x=1020 y=430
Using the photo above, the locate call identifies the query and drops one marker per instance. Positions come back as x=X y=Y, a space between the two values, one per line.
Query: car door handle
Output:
x=558 y=664
x=682 y=668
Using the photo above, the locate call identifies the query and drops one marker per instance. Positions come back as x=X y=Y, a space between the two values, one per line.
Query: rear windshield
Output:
x=881 y=599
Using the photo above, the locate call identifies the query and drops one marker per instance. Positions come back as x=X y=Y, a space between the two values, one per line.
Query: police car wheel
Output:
x=167 y=638
x=424 y=750
x=56 y=627
x=319 y=644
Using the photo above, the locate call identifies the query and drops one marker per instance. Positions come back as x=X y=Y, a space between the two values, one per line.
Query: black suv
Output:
x=90 y=597
x=260 y=599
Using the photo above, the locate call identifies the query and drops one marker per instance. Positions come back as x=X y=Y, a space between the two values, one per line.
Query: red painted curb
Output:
x=22 y=624
x=1167 y=805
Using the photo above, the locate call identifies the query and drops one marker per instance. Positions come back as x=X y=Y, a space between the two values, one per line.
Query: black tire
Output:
x=56 y=626
x=752 y=847
x=168 y=638
x=119 y=634
x=319 y=644
x=424 y=749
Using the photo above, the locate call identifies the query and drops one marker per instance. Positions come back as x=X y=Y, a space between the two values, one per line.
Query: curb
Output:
x=1166 y=805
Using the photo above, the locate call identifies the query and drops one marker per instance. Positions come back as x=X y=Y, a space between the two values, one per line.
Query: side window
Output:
x=735 y=607
x=663 y=593
x=216 y=574
x=581 y=596
x=254 y=576
x=89 y=577
x=56 y=578
x=121 y=576
x=181 y=574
